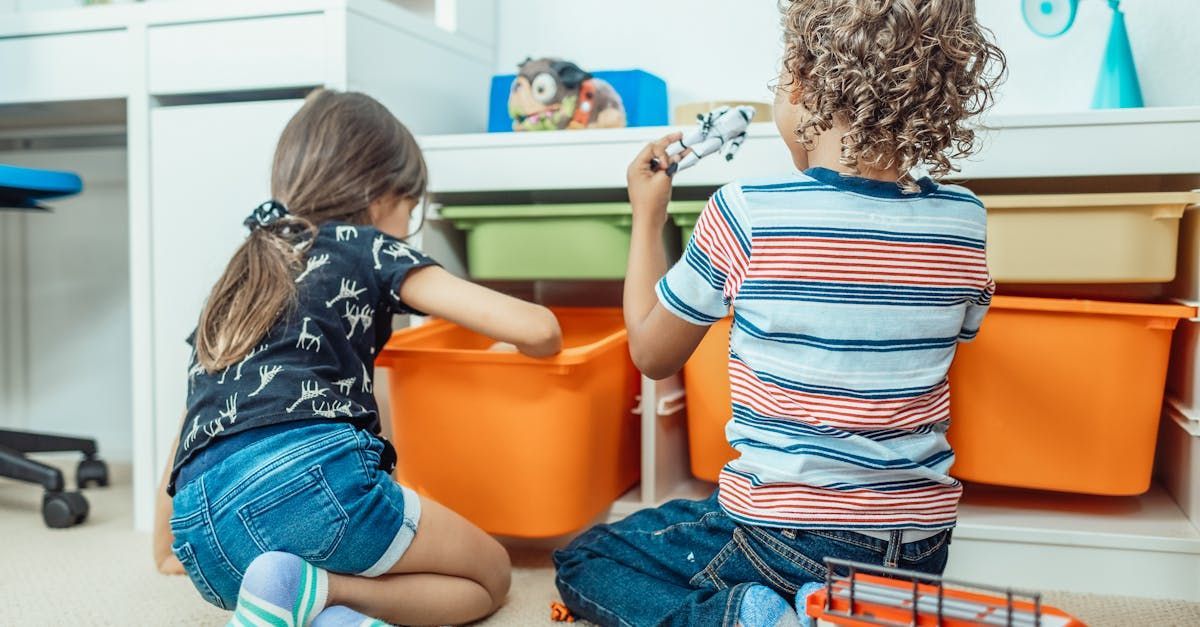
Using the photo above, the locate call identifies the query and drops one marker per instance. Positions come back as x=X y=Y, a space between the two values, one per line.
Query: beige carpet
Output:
x=102 y=574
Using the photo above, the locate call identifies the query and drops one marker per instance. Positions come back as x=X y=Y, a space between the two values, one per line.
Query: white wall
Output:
x=707 y=49
x=75 y=377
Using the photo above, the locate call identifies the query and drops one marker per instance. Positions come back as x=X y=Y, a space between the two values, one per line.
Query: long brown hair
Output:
x=337 y=155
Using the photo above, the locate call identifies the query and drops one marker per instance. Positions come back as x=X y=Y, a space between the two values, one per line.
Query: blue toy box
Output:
x=644 y=95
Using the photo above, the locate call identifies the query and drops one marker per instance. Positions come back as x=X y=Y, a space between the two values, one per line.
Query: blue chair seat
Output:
x=22 y=188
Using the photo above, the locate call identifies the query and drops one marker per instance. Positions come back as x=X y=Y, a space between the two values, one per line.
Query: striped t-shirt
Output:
x=849 y=298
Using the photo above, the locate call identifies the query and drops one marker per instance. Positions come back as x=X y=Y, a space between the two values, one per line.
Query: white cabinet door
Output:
x=210 y=165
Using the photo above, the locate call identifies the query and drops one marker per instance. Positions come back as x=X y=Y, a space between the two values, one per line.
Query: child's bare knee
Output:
x=498 y=576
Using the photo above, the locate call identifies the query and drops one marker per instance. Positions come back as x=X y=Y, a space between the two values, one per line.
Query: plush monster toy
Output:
x=552 y=94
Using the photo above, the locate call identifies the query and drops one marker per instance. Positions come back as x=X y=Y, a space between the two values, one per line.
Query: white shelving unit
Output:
x=1017 y=146
x=1135 y=546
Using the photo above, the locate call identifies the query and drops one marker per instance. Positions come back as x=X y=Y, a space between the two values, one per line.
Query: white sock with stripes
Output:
x=280 y=590
x=342 y=616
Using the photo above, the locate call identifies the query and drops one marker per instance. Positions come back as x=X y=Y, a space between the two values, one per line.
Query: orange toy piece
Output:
x=1062 y=394
x=560 y=614
x=524 y=447
x=709 y=406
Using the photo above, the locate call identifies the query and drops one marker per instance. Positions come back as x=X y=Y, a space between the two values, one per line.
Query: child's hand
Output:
x=650 y=189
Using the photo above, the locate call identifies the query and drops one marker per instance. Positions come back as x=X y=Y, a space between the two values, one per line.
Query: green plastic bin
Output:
x=685 y=214
x=530 y=242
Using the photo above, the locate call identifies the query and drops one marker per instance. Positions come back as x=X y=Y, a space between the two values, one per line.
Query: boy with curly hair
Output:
x=851 y=281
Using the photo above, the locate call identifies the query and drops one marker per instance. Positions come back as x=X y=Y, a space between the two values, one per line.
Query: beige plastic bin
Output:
x=1085 y=238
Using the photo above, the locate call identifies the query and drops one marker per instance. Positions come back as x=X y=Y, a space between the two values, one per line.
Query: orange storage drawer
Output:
x=1062 y=394
x=522 y=447
x=709 y=407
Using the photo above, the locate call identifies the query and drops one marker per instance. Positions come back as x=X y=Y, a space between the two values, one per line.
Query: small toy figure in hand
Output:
x=723 y=128
x=552 y=94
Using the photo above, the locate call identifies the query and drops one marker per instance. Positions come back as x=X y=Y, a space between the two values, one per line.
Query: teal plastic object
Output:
x=1049 y=18
x=1118 y=86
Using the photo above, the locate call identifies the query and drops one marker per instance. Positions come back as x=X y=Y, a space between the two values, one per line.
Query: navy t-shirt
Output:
x=317 y=361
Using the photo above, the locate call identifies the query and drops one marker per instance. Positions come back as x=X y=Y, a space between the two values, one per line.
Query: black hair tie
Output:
x=265 y=215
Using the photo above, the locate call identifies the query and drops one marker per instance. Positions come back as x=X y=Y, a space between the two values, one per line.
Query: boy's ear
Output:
x=789 y=86
x=793 y=91
x=570 y=74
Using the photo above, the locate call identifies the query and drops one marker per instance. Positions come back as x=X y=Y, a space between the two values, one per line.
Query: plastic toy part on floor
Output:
x=559 y=613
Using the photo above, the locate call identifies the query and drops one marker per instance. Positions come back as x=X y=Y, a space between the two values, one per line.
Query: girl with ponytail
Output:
x=280 y=504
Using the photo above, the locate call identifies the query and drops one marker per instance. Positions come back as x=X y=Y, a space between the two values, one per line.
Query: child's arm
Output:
x=659 y=341
x=164 y=558
x=533 y=329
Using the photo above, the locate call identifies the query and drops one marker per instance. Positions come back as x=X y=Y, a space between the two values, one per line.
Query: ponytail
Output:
x=256 y=288
x=337 y=155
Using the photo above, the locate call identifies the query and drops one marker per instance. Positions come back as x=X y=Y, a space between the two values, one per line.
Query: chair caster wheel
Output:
x=64 y=509
x=91 y=471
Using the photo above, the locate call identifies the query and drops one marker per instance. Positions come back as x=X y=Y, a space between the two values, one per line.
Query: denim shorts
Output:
x=315 y=491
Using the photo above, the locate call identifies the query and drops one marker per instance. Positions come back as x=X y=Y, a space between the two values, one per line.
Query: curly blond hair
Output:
x=902 y=75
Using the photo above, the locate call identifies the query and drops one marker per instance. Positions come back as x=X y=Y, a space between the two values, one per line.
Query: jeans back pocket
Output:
x=301 y=516
x=187 y=556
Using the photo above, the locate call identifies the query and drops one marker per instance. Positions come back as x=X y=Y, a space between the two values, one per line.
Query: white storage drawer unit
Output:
x=71 y=66
x=212 y=56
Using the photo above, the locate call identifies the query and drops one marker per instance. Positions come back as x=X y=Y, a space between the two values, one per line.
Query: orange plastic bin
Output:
x=706 y=382
x=522 y=447
x=1062 y=394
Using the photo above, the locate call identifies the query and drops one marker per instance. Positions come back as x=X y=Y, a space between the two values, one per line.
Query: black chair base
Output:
x=59 y=507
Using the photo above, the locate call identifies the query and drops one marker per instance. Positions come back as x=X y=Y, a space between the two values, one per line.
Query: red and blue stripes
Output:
x=849 y=299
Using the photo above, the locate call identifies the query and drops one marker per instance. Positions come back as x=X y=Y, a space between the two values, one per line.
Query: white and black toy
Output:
x=723 y=128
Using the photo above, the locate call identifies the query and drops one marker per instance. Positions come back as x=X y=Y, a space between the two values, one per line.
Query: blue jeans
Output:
x=316 y=491
x=688 y=563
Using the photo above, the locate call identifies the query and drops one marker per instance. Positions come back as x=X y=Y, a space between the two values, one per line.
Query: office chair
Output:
x=23 y=189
